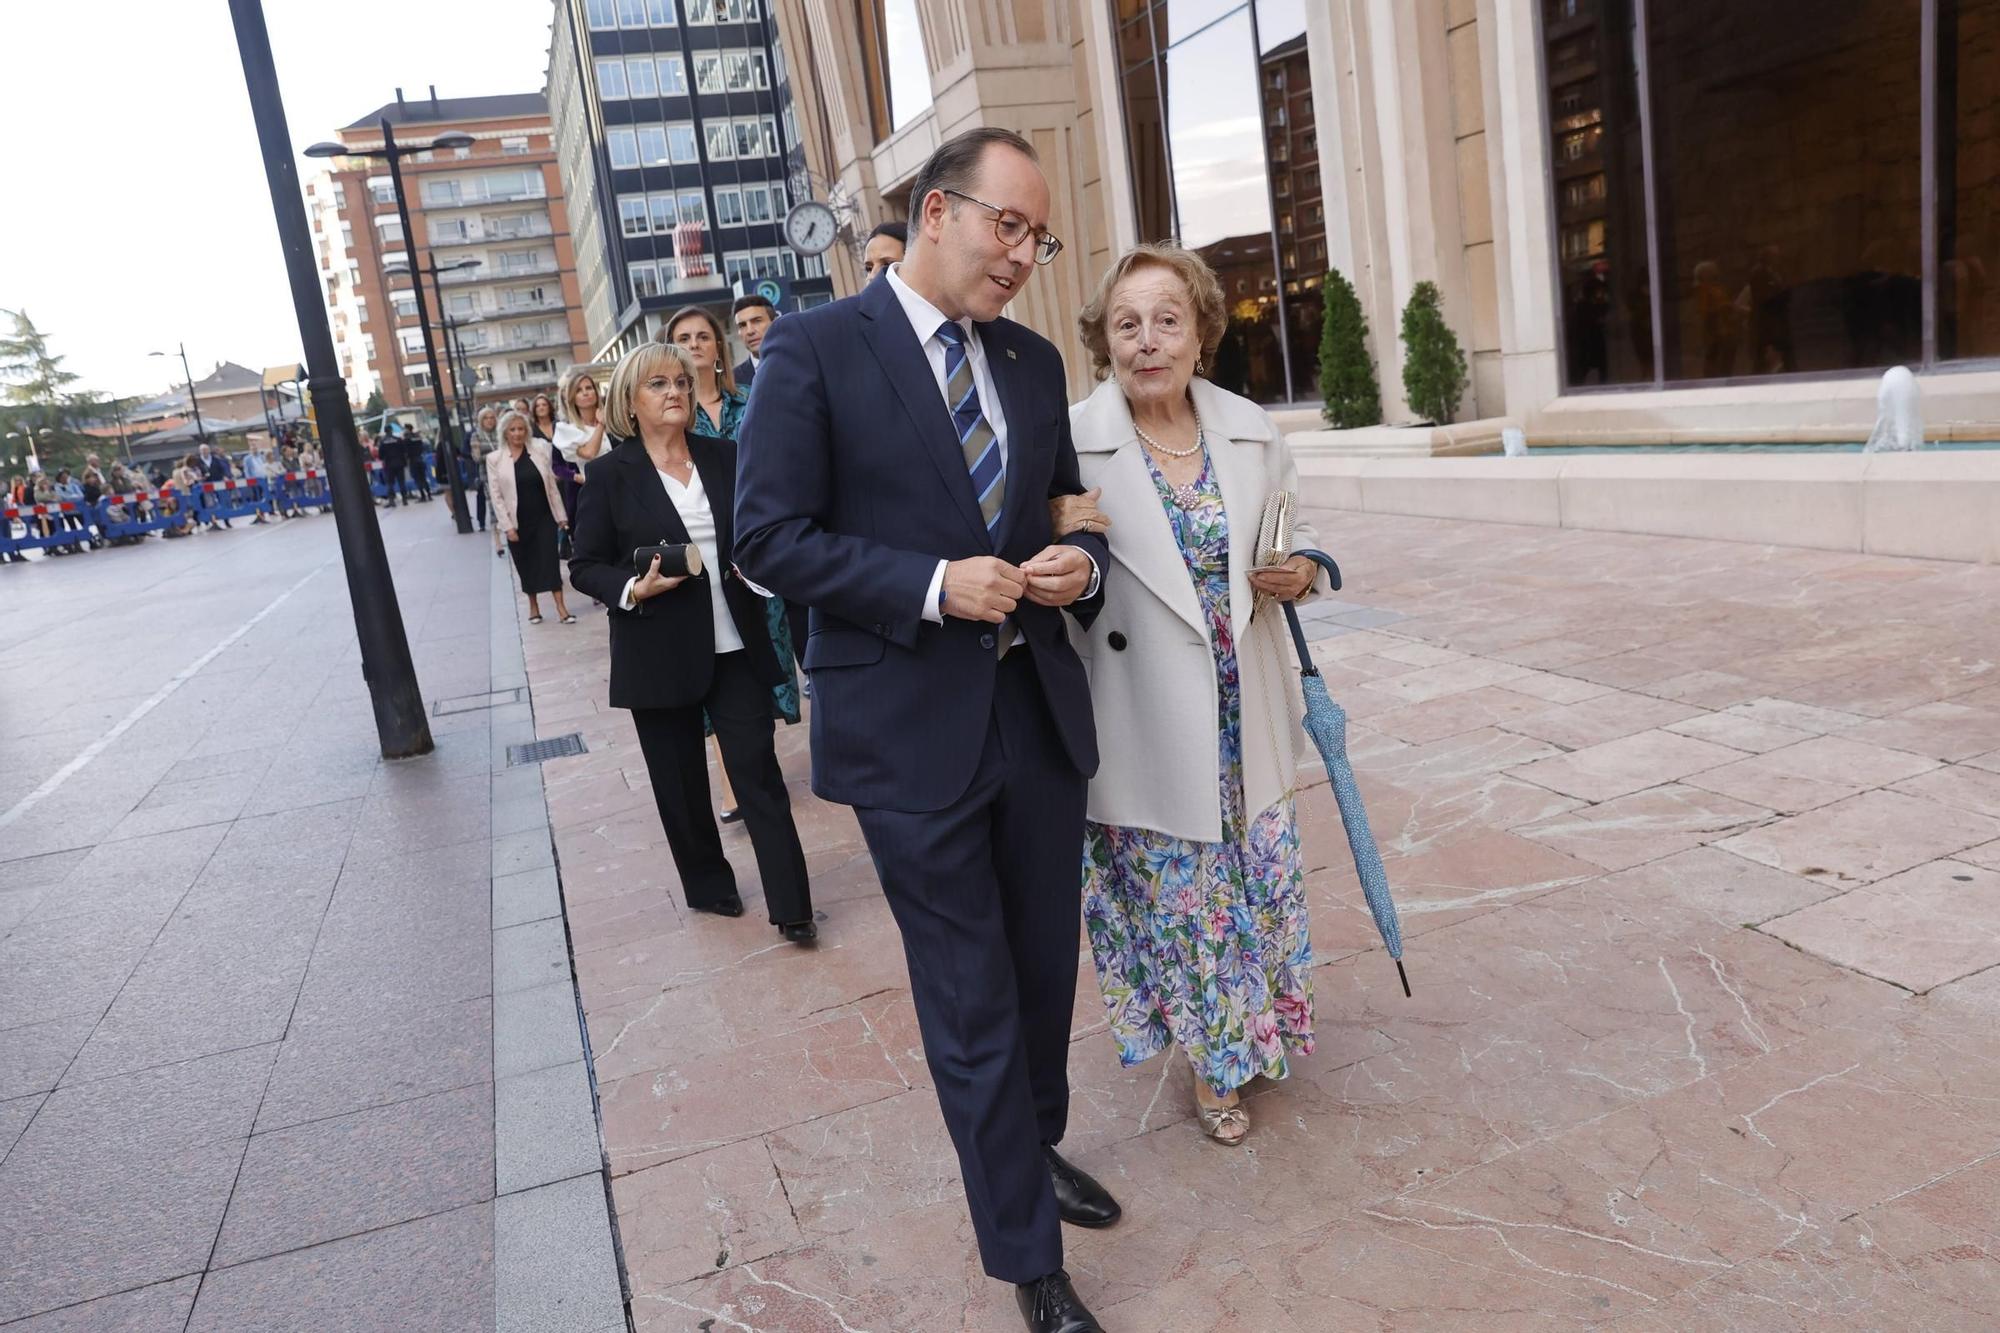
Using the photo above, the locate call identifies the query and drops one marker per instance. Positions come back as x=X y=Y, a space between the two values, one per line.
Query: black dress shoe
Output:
x=1081 y=1201
x=1049 y=1304
x=732 y=815
x=727 y=907
x=800 y=932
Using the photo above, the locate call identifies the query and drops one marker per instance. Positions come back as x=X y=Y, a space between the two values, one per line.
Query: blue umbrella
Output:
x=1326 y=723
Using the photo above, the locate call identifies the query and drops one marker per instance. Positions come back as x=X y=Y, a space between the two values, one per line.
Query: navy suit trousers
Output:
x=987 y=894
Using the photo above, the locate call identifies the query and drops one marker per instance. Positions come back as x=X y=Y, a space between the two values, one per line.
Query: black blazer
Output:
x=746 y=371
x=663 y=653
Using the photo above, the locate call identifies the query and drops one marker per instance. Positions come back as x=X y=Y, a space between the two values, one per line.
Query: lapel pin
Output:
x=1011 y=356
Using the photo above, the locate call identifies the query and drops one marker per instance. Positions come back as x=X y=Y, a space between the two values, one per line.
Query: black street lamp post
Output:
x=400 y=723
x=200 y=431
x=392 y=152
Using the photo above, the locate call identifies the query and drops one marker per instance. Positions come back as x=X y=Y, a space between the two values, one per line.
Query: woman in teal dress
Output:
x=718 y=411
x=1194 y=900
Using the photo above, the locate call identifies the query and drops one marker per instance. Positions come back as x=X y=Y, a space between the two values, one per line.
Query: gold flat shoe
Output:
x=1227 y=1125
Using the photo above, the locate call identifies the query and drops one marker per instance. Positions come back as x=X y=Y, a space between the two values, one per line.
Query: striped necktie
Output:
x=976 y=439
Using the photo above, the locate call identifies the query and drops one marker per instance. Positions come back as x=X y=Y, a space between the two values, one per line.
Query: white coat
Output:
x=1156 y=695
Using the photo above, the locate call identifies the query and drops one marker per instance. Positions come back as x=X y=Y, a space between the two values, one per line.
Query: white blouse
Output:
x=699 y=520
x=568 y=437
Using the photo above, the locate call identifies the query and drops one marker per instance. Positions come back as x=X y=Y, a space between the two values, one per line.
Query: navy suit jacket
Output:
x=746 y=371
x=850 y=487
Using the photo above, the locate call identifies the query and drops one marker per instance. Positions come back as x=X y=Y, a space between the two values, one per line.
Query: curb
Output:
x=557 y=1264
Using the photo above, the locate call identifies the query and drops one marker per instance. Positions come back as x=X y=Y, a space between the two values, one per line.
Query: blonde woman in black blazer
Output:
x=682 y=646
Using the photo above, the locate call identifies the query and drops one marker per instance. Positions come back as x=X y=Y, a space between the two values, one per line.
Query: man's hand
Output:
x=983 y=588
x=1057 y=576
x=652 y=584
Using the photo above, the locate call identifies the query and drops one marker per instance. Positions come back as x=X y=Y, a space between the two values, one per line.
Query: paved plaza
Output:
x=282 y=1026
x=1698 y=849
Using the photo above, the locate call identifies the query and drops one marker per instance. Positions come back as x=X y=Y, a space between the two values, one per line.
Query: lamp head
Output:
x=326 y=148
x=452 y=140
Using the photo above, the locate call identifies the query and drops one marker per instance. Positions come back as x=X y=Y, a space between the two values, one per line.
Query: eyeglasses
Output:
x=1012 y=229
x=681 y=385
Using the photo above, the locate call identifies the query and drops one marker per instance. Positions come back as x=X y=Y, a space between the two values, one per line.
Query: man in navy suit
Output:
x=753 y=315
x=899 y=487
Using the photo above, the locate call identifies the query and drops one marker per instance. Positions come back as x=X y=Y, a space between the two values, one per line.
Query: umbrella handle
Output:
x=1324 y=561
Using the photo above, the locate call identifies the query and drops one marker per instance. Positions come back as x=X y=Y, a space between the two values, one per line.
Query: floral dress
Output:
x=1205 y=943
x=785 y=694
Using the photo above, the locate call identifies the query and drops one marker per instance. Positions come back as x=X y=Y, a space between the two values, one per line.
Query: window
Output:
x=540 y=368
x=440 y=194
x=404 y=304
x=610 y=78
x=681 y=143
x=632 y=217
x=721 y=147
x=736 y=268
x=660 y=13
x=735 y=11
x=361 y=309
x=460 y=304
x=757 y=203
x=700 y=11
x=728 y=206
x=418 y=377
x=411 y=341
x=652 y=145
x=673 y=74
x=746 y=137
x=708 y=72
x=770 y=128
x=639 y=77
x=514 y=145
x=603 y=15
x=645 y=280
x=624 y=147
x=813 y=266
x=448 y=231
x=662 y=208
x=382 y=190
x=460 y=154
x=347 y=236
x=391 y=258
x=631 y=13
x=694 y=207
x=339 y=195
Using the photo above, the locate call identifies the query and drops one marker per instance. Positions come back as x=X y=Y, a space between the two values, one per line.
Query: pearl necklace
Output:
x=1162 y=449
x=1188 y=494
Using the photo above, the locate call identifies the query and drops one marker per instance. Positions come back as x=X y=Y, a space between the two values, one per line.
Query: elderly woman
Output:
x=528 y=509
x=1191 y=865
x=484 y=440
x=684 y=647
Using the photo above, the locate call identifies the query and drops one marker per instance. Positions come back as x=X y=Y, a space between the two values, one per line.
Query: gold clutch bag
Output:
x=1274 y=537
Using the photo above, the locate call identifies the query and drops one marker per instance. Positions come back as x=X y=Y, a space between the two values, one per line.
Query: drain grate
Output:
x=534 y=752
x=469 y=703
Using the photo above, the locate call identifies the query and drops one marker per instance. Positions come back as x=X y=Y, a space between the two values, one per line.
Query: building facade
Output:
x=678 y=139
x=1703 y=221
x=493 y=217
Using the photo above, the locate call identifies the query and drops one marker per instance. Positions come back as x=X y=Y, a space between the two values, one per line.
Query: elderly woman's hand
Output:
x=1077 y=513
x=1287 y=582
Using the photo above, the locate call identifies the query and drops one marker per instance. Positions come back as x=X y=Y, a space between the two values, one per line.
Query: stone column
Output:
x=1517 y=158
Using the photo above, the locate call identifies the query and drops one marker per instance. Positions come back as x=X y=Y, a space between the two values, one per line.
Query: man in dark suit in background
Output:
x=392 y=453
x=898 y=485
x=753 y=315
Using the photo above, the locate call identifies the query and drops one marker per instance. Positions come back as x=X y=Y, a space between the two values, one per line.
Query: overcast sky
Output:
x=135 y=213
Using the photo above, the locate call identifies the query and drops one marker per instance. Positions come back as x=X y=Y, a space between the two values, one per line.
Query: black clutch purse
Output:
x=675 y=560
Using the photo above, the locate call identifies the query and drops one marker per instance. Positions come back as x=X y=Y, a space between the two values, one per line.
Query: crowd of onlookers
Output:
x=162 y=490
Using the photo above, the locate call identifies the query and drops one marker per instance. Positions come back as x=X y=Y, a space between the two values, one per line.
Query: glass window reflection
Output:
x=1968 y=321
x=1787 y=184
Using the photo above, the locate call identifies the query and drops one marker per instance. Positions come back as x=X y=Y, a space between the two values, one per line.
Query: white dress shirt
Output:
x=924 y=321
x=691 y=502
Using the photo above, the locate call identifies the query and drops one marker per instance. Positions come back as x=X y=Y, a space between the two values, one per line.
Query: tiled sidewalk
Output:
x=1698 y=847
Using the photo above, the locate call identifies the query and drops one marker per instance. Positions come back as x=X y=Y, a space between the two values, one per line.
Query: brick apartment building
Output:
x=517 y=314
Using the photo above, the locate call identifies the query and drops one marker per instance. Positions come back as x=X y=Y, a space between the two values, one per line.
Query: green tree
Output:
x=376 y=403
x=1433 y=365
x=1346 y=374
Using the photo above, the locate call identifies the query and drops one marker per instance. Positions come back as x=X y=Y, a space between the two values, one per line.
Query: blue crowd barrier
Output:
x=29 y=516
x=307 y=489
x=230 y=499
x=139 y=512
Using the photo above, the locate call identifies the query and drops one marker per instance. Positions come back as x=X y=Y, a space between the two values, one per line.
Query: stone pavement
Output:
x=282 y=1026
x=1698 y=849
